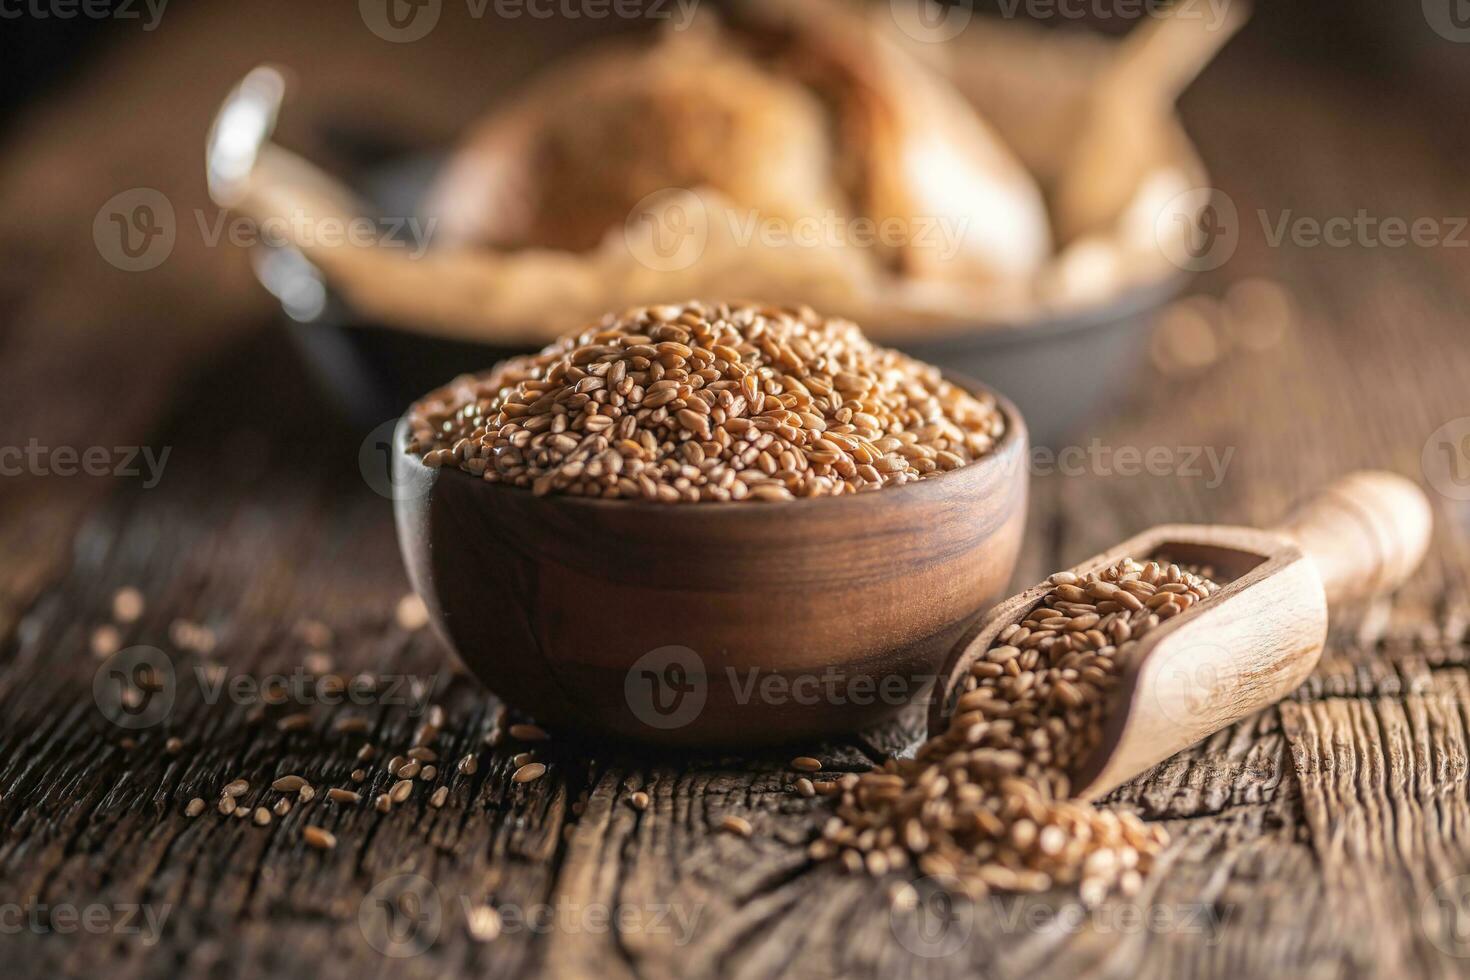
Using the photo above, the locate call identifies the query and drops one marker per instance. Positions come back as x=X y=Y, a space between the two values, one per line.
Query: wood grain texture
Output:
x=1254 y=642
x=669 y=624
x=1308 y=839
x=1366 y=534
x=1220 y=661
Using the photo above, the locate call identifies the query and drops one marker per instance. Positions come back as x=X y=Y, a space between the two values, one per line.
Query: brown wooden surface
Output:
x=1309 y=840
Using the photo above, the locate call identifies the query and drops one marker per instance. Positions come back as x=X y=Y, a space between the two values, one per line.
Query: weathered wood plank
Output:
x=1307 y=841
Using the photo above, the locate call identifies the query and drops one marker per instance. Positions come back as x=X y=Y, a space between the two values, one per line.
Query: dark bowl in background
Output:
x=1059 y=369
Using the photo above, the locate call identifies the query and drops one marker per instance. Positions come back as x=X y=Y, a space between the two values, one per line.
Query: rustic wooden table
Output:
x=1326 y=837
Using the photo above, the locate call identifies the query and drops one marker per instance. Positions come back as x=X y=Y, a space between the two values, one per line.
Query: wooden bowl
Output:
x=711 y=624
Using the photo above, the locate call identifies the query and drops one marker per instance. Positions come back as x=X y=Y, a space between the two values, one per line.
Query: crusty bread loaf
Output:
x=790 y=110
x=571 y=157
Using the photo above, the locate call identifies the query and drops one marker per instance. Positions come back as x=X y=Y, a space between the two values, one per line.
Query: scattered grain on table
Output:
x=317 y=837
x=530 y=771
x=988 y=800
x=736 y=825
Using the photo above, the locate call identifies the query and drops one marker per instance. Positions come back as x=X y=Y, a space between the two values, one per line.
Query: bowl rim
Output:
x=1042 y=321
x=1015 y=440
x=1141 y=298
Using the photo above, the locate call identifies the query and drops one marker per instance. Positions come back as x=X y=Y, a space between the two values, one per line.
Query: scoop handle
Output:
x=1366 y=533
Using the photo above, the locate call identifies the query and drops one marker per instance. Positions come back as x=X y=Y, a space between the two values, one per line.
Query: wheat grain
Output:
x=988 y=800
x=706 y=402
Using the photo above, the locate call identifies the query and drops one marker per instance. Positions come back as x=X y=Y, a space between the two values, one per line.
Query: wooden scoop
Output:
x=1245 y=647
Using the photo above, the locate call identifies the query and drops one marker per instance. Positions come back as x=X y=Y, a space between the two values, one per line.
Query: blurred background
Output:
x=100 y=99
x=1313 y=109
x=1291 y=360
